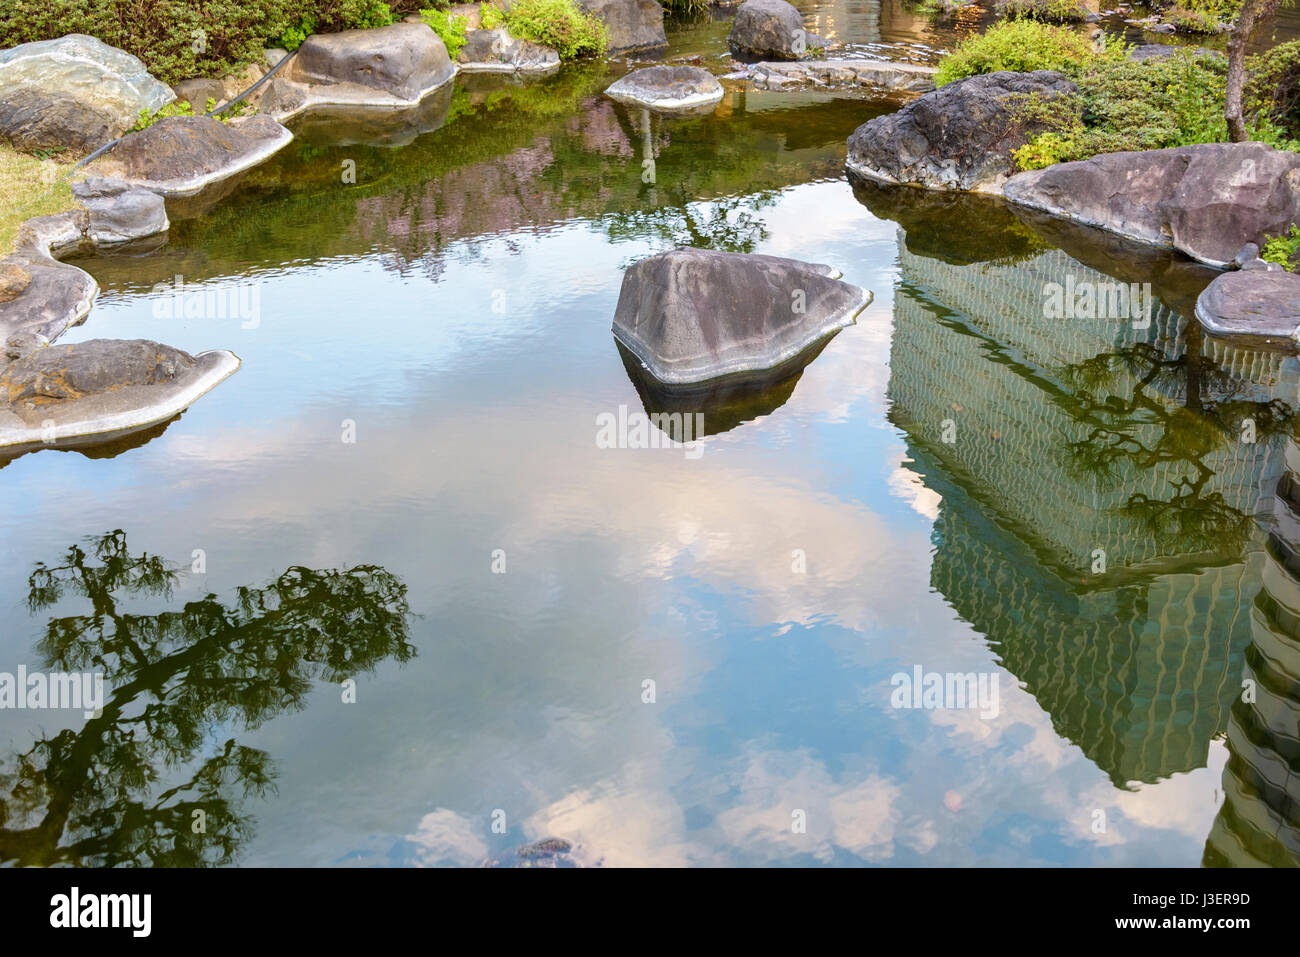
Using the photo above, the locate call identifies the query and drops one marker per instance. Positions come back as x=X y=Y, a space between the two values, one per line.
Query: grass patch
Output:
x=33 y=182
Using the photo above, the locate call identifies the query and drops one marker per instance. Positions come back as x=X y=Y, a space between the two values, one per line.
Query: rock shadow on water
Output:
x=94 y=446
x=725 y=403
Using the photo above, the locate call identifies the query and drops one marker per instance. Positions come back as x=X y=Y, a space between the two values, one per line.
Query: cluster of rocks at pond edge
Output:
x=771 y=30
x=668 y=89
x=1204 y=201
x=693 y=316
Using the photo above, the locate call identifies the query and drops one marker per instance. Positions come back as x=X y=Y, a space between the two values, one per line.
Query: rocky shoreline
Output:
x=960 y=136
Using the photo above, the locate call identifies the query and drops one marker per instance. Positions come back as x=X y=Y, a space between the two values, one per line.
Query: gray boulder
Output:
x=692 y=315
x=387 y=67
x=101 y=387
x=496 y=51
x=961 y=136
x=76 y=92
x=1205 y=200
x=1260 y=304
x=772 y=29
x=180 y=155
x=669 y=89
x=629 y=24
x=118 y=211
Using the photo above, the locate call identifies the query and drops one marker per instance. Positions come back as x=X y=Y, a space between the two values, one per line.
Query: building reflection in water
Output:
x=1259 y=822
x=1052 y=441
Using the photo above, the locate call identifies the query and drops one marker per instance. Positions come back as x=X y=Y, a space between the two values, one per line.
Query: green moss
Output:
x=559 y=24
x=450 y=27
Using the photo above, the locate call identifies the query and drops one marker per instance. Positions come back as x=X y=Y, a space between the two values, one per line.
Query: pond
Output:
x=382 y=598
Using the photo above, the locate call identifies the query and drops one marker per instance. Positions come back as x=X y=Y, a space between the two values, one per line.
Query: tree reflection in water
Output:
x=112 y=793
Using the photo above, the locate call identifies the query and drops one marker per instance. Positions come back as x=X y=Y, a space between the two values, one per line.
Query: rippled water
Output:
x=930 y=491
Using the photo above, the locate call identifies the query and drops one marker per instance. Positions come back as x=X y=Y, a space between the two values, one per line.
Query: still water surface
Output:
x=452 y=310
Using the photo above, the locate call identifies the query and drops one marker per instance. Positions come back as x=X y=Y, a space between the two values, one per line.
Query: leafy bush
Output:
x=1047 y=11
x=1280 y=249
x=1273 y=87
x=1141 y=105
x=1022 y=45
x=450 y=27
x=180 y=39
x=490 y=15
x=559 y=24
x=1200 y=16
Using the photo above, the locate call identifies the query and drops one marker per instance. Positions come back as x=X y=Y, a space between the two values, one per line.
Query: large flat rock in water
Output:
x=1254 y=304
x=387 y=67
x=668 y=89
x=180 y=155
x=101 y=387
x=693 y=315
x=76 y=92
x=1206 y=201
x=883 y=75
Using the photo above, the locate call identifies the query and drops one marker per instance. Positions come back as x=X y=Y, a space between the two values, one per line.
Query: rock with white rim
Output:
x=391 y=67
x=772 y=29
x=691 y=316
x=870 y=74
x=668 y=89
x=101 y=388
x=181 y=155
x=496 y=51
x=120 y=212
x=76 y=92
x=1260 y=302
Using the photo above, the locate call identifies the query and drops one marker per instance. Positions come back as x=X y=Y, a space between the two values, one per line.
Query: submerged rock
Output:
x=961 y=136
x=629 y=24
x=692 y=315
x=180 y=155
x=386 y=67
x=772 y=29
x=75 y=91
x=549 y=852
x=496 y=51
x=1253 y=303
x=1205 y=200
x=668 y=89
x=873 y=74
x=101 y=387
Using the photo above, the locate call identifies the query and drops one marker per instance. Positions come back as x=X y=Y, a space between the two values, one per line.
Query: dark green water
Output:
x=930 y=491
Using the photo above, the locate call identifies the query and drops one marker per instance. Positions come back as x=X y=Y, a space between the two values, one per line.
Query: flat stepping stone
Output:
x=669 y=89
x=102 y=388
x=693 y=315
x=871 y=74
x=1256 y=304
x=181 y=155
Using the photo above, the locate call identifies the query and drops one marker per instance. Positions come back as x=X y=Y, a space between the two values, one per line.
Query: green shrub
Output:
x=559 y=24
x=450 y=27
x=685 y=8
x=1047 y=11
x=181 y=39
x=1273 y=87
x=490 y=15
x=1280 y=249
x=1022 y=45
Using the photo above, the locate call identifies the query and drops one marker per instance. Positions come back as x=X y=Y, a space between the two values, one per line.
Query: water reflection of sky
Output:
x=475 y=431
